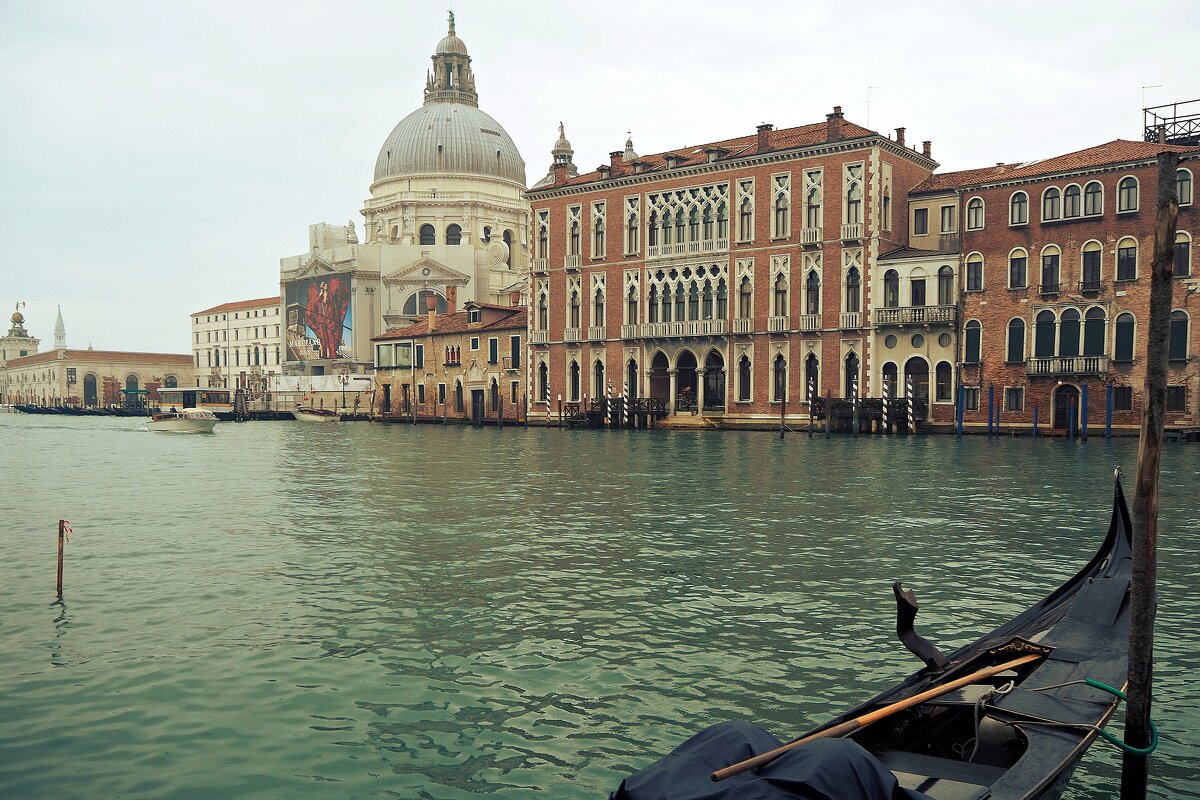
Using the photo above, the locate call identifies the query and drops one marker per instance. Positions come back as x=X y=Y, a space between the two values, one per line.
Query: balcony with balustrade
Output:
x=850 y=320
x=852 y=230
x=691 y=327
x=743 y=325
x=571 y=263
x=630 y=331
x=596 y=333
x=571 y=335
x=539 y=337
x=777 y=324
x=810 y=323
x=540 y=266
x=810 y=236
x=1091 y=286
x=917 y=315
x=690 y=248
x=1067 y=366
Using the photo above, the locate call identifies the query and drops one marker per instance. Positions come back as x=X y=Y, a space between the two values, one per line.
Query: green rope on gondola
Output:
x=1137 y=751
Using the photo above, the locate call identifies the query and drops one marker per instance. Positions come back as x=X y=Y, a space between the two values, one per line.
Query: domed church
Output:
x=446 y=220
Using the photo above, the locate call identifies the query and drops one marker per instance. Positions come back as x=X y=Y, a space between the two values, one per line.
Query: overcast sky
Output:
x=158 y=158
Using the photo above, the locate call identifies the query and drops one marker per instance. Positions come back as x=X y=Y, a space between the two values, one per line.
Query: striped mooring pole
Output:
x=908 y=402
x=608 y=405
x=812 y=396
x=887 y=389
x=625 y=403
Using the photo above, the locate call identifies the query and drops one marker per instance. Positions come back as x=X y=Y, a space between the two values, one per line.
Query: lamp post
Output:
x=344 y=379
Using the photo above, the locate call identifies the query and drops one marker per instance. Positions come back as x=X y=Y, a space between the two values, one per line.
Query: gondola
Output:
x=1032 y=696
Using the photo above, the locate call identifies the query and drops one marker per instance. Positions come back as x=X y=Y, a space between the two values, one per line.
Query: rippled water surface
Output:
x=351 y=611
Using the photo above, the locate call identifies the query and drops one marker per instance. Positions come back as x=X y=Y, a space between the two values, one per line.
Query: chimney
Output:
x=616 y=159
x=764 y=136
x=514 y=298
x=1162 y=133
x=900 y=136
x=833 y=125
x=451 y=299
x=926 y=148
x=560 y=173
x=431 y=314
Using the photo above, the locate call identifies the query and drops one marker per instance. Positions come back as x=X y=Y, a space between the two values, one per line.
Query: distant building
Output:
x=466 y=365
x=17 y=343
x=446 y=219
x=93 y=378
x=237 y=344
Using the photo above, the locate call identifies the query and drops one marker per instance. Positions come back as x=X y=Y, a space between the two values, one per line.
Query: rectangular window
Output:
x=1126 y=263
x=514 y=351
x=515 y=392
x=918 y=292
x=1176 y=398
x=474 y=342
x=421 y=394
x=441 y=394
x=970 y=398
x=1014 y=398
x=1017 y=272
x=947 y=219
x=1122 y=398
x=920 y=221
x=419 y=357
x=493 y=350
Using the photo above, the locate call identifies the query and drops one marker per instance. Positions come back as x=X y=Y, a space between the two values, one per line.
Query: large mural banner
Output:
x=318 y=317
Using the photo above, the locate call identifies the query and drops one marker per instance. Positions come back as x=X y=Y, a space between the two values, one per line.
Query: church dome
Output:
x=443 y=138
x=451 y=44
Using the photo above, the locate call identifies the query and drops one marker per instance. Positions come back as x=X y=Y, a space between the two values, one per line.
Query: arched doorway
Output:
x=889 y=380
x=685 y=380
x=90 y=397
x=543 y=383
x=631 y=378
x=660 y=379
x=598 y=386
x=1066 y=406
x=851 y=386
x=916 y=371
x=714 y=381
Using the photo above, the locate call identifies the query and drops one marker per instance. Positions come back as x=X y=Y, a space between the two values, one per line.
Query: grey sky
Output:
x=159 y=158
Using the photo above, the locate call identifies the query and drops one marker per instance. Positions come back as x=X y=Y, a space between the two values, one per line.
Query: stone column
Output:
x=700 y=373
x=671 y=398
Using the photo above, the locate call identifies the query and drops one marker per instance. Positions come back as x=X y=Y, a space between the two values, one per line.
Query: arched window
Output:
x=745 y=221
x=1089 y=267
x=812 y=293
x=543 y=242
x=1051 y=269
x=974 y=341
x=631 y=306
x=693 y=302
x=1018 y=209
x=573 y=382
x=1177 y=345
x=706 y=301
x=574 y=315
x=666 y=304
x=1068 y=333
x=544 y=382
x=631 y=234
x=679 y=226
x=744 y=379
x=1183 y=254
x=1093 y=199
x=851 y=375
x=680 y=303
x=722 y=300
x=598 y=379
x=745 y=299
x=1071 y=201
x=416 y=303
x=1051 y=204
x=781 y=215
x=598 y=308
x=722 y=221
x=975 y=272
x=1183 y=187
x=459 y=405
x=891 y=289
x=975 y=214
x=943 y=381
x=1016 y=341
x=854 y=203
x=1127 y=258
x=1018 y=269
x=1127 y=194
x=890 y=378
x=487 y=234
x=1093 y=331
x=256 y=361
x=453 y=234
x=666 y=229
x=573 y=238
x=652 y=305
x=853 y=290
x=945 y=286
x=781 y=299
x=779 y=371
x=1123 y=346
x=708 y=223
x=543 y=312
x=812 y=378
x=598 y=237
x=428 y=236
x=216 y=357
x=694 y=225
x=131 y=384
x=812 y=208
x=1043 y=334
x=170 y=382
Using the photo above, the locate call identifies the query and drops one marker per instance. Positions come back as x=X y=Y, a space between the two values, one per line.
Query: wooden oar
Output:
x=850 y=726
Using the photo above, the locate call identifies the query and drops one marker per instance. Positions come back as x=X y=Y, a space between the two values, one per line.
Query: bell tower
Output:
x=451 y=79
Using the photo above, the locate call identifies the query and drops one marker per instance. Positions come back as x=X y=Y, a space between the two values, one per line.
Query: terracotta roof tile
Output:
x=457 y=323
x=238 y=305
x=1117 y=151
x=783 y=139
x=104 y=355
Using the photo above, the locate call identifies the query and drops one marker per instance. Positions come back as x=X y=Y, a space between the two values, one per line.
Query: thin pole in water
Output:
x=828 y=410
x=1135 y=769
x=991 y=406
x=958 y=412
x=1083 y=409
x=62 y=527
x=782 y=410
x=1108 y=409
x=1035 y=420
x=1070 y=417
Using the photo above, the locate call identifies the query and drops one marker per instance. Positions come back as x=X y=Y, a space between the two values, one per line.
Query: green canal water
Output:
x=358 y=611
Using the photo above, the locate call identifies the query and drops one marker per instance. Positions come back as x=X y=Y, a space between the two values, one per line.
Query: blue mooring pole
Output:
x=991 y=406
x=1108 y=403
x=958 y=412
x=1083 y=409
x=1035 y=420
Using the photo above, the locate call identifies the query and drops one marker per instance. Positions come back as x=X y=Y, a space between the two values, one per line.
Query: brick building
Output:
x=729 y=276
x=465 y=365
x=1056 y=260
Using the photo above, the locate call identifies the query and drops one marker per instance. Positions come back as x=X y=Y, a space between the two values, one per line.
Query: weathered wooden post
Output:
x=560 y=411
x=1108 y=409
x=828 y=410
x=958 y=411
x=1135 y=769
x=499 y=411
x=1083 y=409
x=1070 y=417
x=62 y=530
x=1035 y=420
x=782 y=409
x=991 y=406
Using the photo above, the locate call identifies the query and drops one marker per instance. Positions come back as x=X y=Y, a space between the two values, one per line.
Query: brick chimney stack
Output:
x=764 y=136
x=616 y=159
x=926 y=148
x=900 y=136
x=431 y=311
x=514 y=298
x=451 y=299
x=833 y=125
x=560 y=173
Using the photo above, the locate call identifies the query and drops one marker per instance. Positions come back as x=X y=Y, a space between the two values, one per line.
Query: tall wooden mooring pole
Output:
x=1143 y=600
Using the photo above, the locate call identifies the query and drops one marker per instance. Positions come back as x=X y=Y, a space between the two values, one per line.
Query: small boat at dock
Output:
x=316 y=415
x=1007 y=717
x=189 y=420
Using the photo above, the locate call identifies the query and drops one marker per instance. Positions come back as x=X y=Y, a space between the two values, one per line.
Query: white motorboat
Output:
x=316 y=415
x=189 y=420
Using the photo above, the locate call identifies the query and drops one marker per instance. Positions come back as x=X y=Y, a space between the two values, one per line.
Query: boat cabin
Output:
x=214 y=400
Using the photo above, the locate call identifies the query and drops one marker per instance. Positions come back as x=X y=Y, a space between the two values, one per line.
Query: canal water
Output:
x=356 y=611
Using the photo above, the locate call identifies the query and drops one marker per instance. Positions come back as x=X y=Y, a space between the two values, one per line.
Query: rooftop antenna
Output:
x=869 y=88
